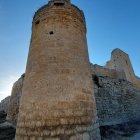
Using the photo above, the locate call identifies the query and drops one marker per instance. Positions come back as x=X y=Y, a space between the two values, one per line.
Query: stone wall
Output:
x=102 y=71
x=118 y=101
x=136 y=81
x=4 y=104
x=14 y=102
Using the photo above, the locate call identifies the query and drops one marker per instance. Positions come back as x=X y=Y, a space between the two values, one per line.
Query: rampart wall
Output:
x=117 y=101
x=102 y=71
x=13 y=109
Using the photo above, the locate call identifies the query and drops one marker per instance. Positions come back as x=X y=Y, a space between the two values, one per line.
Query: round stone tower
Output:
x=57 y=100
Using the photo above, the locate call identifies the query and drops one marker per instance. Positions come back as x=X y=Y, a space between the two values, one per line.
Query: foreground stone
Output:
x=7 y=130
x=122 y=131
x=2 y=116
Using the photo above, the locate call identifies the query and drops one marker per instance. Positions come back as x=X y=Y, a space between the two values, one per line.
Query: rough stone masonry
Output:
x=58 y=99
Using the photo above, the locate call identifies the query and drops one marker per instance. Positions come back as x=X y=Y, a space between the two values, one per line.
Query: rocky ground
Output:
x=7 y=130
x=125 y=131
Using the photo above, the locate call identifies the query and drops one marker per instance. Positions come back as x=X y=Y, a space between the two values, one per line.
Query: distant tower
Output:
x=120 y=61
x=57 y=98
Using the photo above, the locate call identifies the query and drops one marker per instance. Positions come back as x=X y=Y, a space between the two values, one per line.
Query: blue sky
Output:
x=110 y=23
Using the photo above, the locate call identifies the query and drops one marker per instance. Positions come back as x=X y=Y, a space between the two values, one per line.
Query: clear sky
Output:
x=110 y=23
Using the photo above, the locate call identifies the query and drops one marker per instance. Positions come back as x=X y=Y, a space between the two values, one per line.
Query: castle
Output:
x=62 y=96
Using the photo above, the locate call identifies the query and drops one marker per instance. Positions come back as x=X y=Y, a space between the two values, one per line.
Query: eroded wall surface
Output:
x=103 y=71
x=117 y=101
x=118 y=109
x=4 y=104
x=14 y=102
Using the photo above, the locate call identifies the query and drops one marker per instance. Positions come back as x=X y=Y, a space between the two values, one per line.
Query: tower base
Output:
x=64 y=133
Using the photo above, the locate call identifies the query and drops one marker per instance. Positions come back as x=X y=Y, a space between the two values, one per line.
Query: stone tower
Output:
x=120 y=61
x=57 y=100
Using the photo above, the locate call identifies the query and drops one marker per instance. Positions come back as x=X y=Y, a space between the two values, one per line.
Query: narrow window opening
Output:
x=37 y=22
x=59 y=4
x=126 y=62
x=51 y=32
